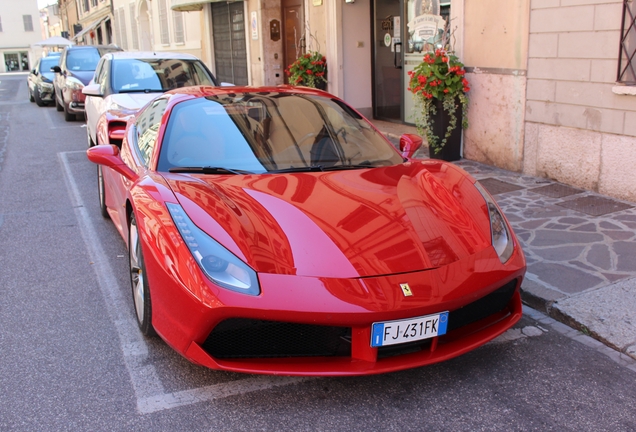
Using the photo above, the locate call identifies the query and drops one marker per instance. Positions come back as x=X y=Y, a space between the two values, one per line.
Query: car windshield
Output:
x=47 y=63
x=270 y=132
x=131 y=75
x=84 y=59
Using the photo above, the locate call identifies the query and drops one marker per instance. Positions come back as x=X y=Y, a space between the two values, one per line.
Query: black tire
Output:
x=67 y=115
x=102 y=193
x=38 y=99
x=57 y=103
x=31 y=98
x=138 y=282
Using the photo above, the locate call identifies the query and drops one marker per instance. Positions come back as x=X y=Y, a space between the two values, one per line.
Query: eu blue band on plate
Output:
x=378 y=332
x=443 y=323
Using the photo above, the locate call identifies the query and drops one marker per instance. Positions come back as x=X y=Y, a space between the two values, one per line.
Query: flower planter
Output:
x=452 y=149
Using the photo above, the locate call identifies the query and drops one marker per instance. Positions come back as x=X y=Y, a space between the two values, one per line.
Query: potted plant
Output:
x=309 y=70
x=439 y=89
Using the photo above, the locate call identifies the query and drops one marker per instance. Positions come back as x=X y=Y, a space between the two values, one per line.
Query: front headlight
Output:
x=220 y=265
x=501 y=238
x=74 y=83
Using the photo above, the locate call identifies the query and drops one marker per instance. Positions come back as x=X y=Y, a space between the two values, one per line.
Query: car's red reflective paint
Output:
x=330 y=248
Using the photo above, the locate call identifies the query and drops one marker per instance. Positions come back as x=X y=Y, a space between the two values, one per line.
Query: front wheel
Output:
x=58 y=107
x=67 y=115
x=138 y=280
x=31 y=98
x=102 y=193
x=37 y=97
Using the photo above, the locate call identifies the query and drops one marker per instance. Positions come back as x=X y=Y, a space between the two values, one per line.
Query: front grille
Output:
x=486 y=306
x=249 y=338
x=482 y=308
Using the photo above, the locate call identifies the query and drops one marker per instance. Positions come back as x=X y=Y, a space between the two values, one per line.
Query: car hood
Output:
x=84 y=76
x=341 y=224
x=50 y=76
x=133 y=101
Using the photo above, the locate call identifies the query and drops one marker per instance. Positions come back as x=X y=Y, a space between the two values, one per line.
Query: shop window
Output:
x=627 y=58
x=28 y=23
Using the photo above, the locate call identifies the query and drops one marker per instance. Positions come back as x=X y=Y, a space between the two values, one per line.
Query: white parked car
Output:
x=125 y=81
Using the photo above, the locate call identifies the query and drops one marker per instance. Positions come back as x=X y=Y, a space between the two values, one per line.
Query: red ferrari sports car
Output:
x=275 y=230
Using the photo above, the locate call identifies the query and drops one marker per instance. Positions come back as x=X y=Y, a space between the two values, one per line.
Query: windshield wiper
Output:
x=207 y=170
x=310 y=168
x=142 y=91
x=347 y=167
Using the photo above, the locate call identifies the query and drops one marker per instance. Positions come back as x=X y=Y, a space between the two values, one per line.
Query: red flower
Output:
x=310 y=72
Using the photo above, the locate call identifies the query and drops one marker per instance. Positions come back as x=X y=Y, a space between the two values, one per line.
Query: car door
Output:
x=94 y=105
x=58 y=82
x=33 y=76
x=136 y=152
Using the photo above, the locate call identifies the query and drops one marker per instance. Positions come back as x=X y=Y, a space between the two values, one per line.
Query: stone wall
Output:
x=578 y=130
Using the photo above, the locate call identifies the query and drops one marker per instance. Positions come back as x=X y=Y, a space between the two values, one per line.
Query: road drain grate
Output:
x=556 y=190
x=594 y=205
x=495 y=186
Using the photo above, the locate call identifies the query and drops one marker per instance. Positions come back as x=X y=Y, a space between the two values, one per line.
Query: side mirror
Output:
x=93 y=90
x=409 y=144
x=34 y=72
x=108 y=156
x=56 y=69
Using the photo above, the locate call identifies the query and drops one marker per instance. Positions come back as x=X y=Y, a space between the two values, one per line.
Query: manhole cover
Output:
x=556 y=190
x=495 y=186
x=594 y=206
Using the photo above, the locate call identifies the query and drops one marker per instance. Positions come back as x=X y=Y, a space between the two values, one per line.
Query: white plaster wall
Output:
x=13 y=38
x=356 y=55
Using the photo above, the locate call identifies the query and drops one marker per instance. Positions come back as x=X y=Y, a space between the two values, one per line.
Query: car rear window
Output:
x=82 y=59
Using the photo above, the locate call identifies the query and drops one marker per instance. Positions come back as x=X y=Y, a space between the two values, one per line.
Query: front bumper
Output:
x=187 y=322
x=46 y=93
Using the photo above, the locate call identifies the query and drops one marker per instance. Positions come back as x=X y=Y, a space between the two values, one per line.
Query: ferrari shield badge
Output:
x=406 y=290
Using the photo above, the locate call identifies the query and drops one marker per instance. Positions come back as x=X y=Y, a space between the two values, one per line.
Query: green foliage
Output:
x=440 y=76
x=308 y=70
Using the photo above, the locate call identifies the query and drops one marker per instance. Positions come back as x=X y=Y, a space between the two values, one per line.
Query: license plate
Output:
x=408 y=330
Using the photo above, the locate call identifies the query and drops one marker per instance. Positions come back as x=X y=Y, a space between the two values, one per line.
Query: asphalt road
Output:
x=71 y=357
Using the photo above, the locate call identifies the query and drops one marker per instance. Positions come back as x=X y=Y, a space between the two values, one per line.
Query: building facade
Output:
x=19 y=28
x=69 y=18
x=145 y=25
x=545 y=94
x=95 y=19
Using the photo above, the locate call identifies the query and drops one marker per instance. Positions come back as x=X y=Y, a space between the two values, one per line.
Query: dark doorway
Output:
x=388 y=60
x=228 y=33
x=293 y=31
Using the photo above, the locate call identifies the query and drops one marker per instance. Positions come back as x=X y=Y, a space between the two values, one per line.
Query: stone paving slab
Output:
x=607 y=313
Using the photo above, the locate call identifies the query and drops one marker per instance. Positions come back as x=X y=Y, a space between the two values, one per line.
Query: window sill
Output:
x=624 y=90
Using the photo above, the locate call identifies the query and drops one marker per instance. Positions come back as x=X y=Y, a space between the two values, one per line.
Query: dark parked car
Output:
x=40 y=80
x=76 y=69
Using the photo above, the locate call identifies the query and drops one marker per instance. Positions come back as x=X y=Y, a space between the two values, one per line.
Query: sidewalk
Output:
x=580 y=248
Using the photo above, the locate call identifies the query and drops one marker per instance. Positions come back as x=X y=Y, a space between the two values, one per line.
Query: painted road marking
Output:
x=150 y=393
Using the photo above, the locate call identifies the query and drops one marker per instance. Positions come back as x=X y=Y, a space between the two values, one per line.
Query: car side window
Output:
x=99 y=71
x=147 y=127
